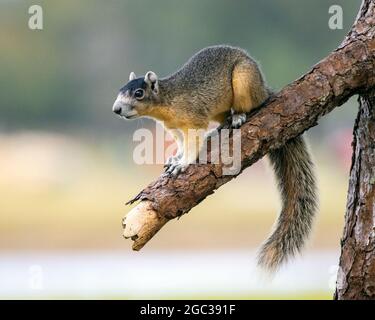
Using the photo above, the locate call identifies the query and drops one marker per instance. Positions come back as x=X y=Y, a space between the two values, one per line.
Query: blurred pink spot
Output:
x=340 y=143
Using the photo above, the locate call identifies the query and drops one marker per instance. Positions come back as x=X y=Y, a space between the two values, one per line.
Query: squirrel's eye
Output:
x=139 y=94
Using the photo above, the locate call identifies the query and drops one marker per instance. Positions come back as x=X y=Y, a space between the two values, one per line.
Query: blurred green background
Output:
x=66 y=166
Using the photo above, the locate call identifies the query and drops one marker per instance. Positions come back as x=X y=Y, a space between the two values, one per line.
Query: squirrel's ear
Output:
x=152 y=80
x=132 y=76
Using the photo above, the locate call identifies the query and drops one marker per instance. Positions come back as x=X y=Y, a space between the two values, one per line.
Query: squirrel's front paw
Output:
x=172 y=160
x=238 y=119
x=169 y=161
x=175 y=168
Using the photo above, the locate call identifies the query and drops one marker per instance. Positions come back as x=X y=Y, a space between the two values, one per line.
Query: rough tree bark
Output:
x=345 y=72
x=356 y=276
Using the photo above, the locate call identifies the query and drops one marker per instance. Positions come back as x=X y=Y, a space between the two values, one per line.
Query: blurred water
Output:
x=157 y=275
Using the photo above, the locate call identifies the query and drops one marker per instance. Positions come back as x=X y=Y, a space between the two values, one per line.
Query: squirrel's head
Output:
x=137 y=96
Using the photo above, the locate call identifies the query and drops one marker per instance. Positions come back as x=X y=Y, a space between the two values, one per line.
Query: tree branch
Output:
x=346 y=71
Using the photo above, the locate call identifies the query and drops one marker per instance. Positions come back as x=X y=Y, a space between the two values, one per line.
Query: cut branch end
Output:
x=141 y=224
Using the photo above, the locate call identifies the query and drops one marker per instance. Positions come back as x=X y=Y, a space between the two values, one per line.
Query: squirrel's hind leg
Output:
x=248 y=91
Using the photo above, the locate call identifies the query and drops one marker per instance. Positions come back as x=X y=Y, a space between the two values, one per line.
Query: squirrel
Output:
x=216 y=83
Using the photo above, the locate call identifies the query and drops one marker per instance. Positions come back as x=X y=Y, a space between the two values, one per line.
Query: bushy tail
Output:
x=294 y=172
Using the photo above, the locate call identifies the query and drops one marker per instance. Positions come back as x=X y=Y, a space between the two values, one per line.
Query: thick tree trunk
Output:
x=356 y=276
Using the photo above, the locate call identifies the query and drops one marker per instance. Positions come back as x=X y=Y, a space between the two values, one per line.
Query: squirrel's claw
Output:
x=172 y=161
x=175 y=168
x=238 y=119
x=168 y=163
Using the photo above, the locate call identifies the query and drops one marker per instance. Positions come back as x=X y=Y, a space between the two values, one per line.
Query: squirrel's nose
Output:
x=117 y=108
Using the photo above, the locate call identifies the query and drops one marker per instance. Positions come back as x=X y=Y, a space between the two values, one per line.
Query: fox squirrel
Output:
x=216 y=83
